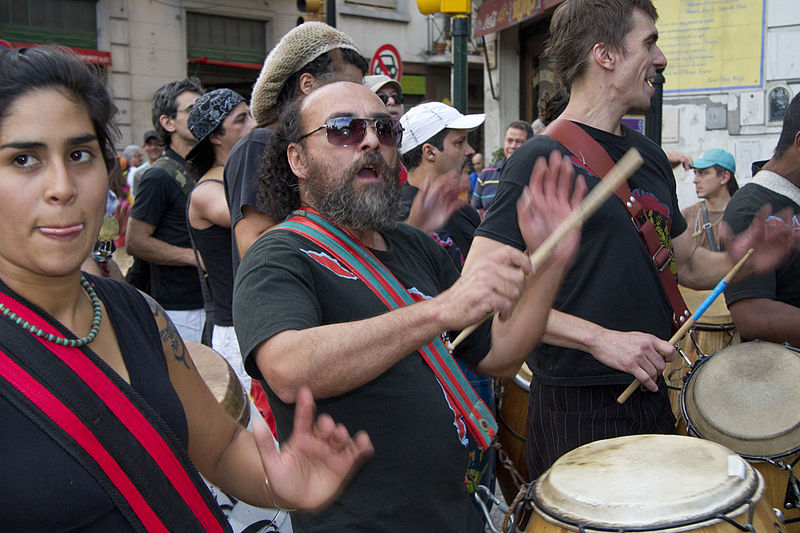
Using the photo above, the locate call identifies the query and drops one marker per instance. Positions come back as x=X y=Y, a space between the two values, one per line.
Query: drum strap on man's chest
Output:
x=577 y=141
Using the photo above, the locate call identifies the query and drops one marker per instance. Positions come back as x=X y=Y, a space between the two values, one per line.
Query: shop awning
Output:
x=206 y=61
x=496 y=15
x=87 y=55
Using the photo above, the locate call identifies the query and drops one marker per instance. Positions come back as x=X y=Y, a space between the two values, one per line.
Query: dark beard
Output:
x=370 y=207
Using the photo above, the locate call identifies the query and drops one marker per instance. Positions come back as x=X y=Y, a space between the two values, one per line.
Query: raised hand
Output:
x=546 y=202
x=317 y=461
x=437 y=201
x=771 y=239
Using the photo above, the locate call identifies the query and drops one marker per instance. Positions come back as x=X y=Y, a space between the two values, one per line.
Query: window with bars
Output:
x=226 y=38
x=65 y=22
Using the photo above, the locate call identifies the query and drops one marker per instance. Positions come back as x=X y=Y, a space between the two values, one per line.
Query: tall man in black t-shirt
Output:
x=302 y=317
x=612 y=315
x=157 y=229
x=767 y=307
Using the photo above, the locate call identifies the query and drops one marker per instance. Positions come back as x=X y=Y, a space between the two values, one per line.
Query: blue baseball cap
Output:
x=716 y=156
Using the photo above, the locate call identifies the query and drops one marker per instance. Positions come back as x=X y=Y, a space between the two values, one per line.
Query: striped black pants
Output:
x=564 y=418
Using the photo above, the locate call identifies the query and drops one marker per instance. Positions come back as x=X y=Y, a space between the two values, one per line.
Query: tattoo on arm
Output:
x=168 y=333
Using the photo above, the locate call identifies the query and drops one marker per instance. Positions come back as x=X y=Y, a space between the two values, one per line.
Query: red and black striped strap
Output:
x=81 y=403
x=380 y=280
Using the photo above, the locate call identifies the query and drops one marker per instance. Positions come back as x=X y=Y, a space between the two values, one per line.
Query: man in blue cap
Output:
x=715 y=183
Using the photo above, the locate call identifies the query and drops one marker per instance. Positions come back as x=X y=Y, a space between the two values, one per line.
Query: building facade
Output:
x=733 y=67
x=138 y=45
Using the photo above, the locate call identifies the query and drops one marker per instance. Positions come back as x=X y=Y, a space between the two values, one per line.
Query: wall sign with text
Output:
x=712 y=44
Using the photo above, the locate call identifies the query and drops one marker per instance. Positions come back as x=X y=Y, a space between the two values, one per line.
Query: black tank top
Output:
x=214 y=245
x=42 y=487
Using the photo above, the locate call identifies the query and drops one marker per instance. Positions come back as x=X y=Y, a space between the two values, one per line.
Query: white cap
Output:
x=424 y=121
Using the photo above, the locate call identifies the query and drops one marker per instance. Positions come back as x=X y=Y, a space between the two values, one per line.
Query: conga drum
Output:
x=651 y=483
x=747 y=398
x=221 y=380
x=512 y=431
x=712 y=332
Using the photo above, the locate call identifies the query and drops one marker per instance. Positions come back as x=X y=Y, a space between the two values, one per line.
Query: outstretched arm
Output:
x=335 y=358
x=699 y=268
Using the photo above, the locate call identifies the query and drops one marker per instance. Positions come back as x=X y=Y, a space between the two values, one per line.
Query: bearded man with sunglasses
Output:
x=348 y=301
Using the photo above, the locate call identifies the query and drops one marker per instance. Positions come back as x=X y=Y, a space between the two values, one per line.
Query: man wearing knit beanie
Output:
x=309 y=56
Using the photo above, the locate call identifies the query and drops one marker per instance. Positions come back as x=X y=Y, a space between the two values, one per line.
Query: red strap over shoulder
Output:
x=582 y=145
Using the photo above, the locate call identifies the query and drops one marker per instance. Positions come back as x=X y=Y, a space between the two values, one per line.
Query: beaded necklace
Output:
x=72 y=343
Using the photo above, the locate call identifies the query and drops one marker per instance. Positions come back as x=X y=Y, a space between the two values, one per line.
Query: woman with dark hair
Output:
x=102 y=432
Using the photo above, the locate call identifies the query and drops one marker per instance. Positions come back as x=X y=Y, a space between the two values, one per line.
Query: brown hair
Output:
x=577 y=25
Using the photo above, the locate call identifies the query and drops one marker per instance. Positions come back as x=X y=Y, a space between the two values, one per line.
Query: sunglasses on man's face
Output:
x=398 y=98
x=344 y=131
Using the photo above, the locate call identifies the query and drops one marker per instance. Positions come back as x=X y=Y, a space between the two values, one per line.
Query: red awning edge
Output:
x=496 y=15
x=205 y=61
x=87 y=55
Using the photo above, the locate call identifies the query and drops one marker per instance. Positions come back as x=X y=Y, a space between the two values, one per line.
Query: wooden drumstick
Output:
x=620 y=172
x=692 y=319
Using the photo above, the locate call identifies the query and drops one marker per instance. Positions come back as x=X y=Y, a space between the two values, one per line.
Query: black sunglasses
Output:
x=398 y=98
x=344 y=131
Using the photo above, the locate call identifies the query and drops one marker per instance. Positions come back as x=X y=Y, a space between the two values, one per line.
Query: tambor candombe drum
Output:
x=650 y=483
x=512 y=432
x=747 y=397
x=222 y=380
x=712 y=332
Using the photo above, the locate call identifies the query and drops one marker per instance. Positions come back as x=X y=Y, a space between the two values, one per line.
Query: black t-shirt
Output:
x=44 y=488
x=456 y=235
x=241 y=179
x=783 y=284
x=417 y=474
x=612 y=281
x=161 y=203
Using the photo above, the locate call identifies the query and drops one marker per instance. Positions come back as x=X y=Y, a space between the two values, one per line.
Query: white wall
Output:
x=506 y=87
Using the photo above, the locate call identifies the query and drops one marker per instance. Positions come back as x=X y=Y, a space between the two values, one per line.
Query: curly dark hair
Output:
x=791 y=126
x=279 y=192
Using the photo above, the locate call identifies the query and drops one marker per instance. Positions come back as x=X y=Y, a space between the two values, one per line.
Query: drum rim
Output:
x=749 y=500
x=691 y=427
x=673 y=527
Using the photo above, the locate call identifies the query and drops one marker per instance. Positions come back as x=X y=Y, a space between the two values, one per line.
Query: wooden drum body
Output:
x=747 y=398
x=711 y=333
x=512 y=432
x=651 y=483
x=221 y=380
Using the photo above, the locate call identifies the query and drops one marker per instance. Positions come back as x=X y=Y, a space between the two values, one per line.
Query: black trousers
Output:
x=564 y=418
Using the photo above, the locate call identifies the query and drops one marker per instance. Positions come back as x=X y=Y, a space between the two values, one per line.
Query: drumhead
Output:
x=646 y=482
x=747 y=398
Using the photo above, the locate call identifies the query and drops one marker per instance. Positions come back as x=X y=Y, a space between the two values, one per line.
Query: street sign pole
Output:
x=460 y=32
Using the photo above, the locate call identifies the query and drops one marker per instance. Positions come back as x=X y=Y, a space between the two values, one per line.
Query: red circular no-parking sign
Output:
x=387 y=61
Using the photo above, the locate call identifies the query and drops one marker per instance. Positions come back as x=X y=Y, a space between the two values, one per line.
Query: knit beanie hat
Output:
x=296 y=49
